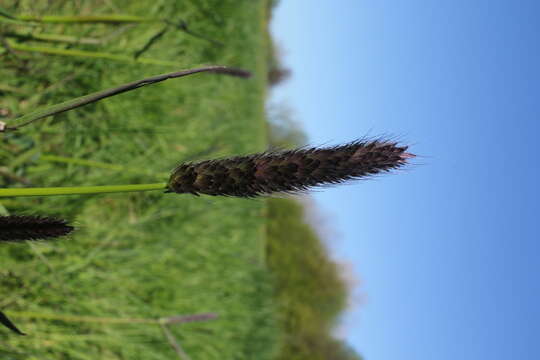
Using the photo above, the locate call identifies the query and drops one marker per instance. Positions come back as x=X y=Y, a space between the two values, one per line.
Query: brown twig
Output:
x=174 y=343
x=183 y=26
x=151 y=42
x=188 y=318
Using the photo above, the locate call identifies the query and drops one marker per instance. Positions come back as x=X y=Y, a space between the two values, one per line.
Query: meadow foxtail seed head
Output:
x=288 y=171
x=15 y=228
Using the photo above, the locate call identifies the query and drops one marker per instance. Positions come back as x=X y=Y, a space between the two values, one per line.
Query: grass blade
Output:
x=52 y=38
x=87 y=19
x=88 y=54
x=94 y=97
x=4 y=320
x=5 y=13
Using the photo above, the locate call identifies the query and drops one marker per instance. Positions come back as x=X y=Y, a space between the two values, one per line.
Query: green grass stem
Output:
x=79 y=190
x=83 y=319
x=97 y=164
x=89 y=54
x=87 y=19
x=179 y=319
x=7 y=88
x=52 y=38
x=7 y=14
x=16 y=22
x=8 y=18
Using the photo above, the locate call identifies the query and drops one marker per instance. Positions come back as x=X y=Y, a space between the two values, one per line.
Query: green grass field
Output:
x=139 y=260
x=146 y=255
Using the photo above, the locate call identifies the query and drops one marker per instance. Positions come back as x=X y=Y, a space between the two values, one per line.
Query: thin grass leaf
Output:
x=4 y=320
x=89 y=54
x=150 y=42
x=7 y=88
x=183 y=26
x=97 y=96
x=51 y=38
x=98 y=165
x=177 y=319
x=87 y=19
x=7 y=20
x=5 y=13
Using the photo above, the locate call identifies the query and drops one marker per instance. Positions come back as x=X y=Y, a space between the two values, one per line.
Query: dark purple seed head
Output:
x=15 y=228
x=288 y=171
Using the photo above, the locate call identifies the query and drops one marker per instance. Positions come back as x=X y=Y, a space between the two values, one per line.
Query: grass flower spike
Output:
x=288 y=171
x=16 y=228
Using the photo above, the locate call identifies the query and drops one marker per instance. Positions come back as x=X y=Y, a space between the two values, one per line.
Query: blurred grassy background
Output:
x=276 y=293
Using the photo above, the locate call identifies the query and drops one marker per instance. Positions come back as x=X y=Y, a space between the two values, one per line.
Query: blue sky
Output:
x=447 y=251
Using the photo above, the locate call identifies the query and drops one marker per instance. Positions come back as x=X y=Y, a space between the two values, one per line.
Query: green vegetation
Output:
x=113 y=290
x=309 y=290
x=137 y=256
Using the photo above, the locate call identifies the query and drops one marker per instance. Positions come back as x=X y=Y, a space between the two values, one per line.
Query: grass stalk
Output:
x=89 y=54
x=79 y=190
x=97 y=165
x=7 y=14
x=174 y=343
x=87 y=19
x=83 y=319
x=9 y=21
x=52 y=38
x=7 y=88
x=7 y=17
x=179 y=319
